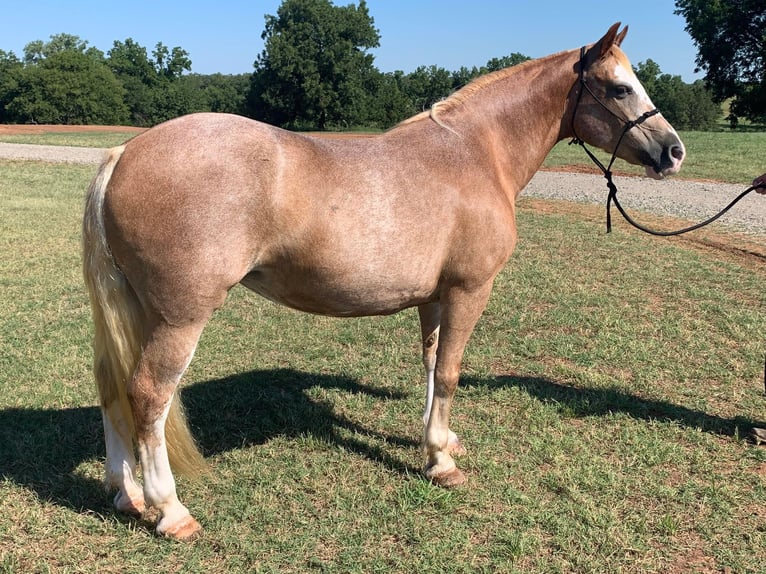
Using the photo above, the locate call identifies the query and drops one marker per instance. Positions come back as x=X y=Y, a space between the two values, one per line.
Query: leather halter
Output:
x=629 y=124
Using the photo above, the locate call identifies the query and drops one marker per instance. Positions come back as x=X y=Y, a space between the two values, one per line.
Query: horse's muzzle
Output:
x=671 y=158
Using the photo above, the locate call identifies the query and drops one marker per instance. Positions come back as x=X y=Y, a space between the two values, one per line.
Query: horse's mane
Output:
x=459 y=97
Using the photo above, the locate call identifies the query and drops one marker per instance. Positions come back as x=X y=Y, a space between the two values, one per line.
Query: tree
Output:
x=11 y=69
x=427 y=85
x=314 y=66
x=505 y=62
x=220 y=93
x=68 y=87
x=686 y=106
x=171 y=64
x=154 y=92
x=389 y=104
x=130 y=63
x=730 y=36
x=37 y=50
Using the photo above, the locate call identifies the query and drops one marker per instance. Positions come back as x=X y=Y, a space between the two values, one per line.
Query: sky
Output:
x=225 y=37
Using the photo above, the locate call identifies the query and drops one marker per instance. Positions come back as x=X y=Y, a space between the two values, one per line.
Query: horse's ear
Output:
x=609 y=40
x=602 y=47
x=621 y=36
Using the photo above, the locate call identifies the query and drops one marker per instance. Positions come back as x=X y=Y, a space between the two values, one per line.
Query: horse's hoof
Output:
x=449 y=479
x=131 y=506
x=185 y=530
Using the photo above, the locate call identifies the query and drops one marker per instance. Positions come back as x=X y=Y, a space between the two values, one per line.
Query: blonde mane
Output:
x=441 y=108
x=462 y=95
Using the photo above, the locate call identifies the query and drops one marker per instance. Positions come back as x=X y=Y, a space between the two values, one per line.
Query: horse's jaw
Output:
x=654 y=174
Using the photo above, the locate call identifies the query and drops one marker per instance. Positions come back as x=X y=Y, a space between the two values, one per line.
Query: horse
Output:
x=422 y=215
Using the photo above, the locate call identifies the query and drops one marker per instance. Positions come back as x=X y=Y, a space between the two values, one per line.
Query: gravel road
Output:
x=689 y=200
x=51 y=153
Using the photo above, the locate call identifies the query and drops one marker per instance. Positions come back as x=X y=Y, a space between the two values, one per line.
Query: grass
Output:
x=77 y=139
x=605 y=400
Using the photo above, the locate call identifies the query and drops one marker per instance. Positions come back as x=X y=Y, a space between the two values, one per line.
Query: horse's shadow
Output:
x=254 y=407
x=41 y=449
x=579 y=402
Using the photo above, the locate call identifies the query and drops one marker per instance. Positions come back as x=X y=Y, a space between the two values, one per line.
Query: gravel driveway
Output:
x=690 y=200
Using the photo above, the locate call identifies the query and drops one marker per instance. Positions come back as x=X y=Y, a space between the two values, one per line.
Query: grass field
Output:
x=70 y=138
x=605 y=403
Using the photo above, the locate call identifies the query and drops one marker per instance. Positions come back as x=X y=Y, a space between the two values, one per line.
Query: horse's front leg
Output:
x=430 y=320
x=460 y=310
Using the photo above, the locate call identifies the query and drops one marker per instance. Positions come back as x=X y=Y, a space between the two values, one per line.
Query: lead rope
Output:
x=607 y=170
x=612 y=196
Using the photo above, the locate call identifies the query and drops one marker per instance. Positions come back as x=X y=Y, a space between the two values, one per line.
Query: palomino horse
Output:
x=420 y=216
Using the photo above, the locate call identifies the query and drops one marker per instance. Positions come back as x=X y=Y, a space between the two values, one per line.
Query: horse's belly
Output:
x=361 y=297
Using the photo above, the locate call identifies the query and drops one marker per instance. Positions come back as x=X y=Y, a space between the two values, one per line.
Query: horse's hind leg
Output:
x=430 y=319
x=167 y=352
x=121 y=460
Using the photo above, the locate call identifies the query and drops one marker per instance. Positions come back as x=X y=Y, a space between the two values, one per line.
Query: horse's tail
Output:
x=118 y=329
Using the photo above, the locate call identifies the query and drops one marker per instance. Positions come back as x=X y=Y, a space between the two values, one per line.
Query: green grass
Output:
x=77 y=139
x=604 y=402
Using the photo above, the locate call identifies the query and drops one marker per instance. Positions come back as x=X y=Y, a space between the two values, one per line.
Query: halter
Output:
x=607 y=170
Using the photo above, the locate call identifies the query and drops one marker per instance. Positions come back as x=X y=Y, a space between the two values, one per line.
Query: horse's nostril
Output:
x=677 y=152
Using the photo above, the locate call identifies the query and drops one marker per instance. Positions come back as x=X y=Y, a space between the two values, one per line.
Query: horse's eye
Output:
x=622 y=91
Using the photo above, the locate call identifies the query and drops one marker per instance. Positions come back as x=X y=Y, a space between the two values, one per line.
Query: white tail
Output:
x=118 y=323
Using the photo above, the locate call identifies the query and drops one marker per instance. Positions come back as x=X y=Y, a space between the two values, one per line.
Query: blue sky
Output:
x=226 y=36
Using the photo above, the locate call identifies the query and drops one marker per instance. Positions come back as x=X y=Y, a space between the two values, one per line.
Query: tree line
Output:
x=315 y=72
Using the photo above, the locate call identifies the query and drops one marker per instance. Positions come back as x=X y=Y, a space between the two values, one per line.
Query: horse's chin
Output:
x=653 y=173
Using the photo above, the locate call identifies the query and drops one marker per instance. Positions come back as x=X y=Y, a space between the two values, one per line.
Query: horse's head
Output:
x=612 y=110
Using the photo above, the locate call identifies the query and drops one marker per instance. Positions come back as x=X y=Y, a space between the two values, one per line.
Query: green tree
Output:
x=314 y=67
x=171 y=64
x=174 y=98
x=427 y=85
x=68 y=87
x=686 y=106
x=171 y=97
x=390 y=103
x=730 y=36
x=463 y=76
x=153 y=86
x=130 y=63
x=11 y=69
x=219 y=92
x=37 y=50
x=505 y=62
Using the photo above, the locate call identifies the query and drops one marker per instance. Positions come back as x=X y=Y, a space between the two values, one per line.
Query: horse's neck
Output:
x=521 y=116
